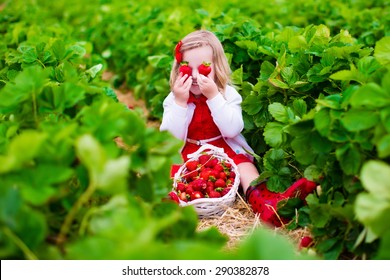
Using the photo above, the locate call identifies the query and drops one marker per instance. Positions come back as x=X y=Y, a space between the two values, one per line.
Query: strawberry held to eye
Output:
x=204 y=68
x=185 y=69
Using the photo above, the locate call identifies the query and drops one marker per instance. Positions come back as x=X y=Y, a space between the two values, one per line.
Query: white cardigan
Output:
x=226 y=113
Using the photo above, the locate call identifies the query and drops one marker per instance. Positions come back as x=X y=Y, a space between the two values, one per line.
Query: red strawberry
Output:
x=214 y=194
x=210 y=184
x=222 y=175
x=205 y=174
x=196 y=195
x=225 y=191
x=220 y=183
x=203 y=159
x=204 y=68
x=181 y=187
x=199 y=184
x=219 y=167
x=306 y=242
x=192 y=165
x=212 y=162
x=209 y=189
x=173 y=196
x=227 y=164
x=185 y=69
x=189 y=190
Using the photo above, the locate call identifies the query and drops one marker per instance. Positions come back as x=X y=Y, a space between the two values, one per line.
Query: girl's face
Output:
x=195 y=57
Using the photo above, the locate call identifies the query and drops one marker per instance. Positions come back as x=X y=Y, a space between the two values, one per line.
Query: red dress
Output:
x=202 y=127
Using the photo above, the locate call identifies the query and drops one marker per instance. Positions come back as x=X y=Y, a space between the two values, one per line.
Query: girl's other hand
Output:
x=181 y=89
x=207 y=86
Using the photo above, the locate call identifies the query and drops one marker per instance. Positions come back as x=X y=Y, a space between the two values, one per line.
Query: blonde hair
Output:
x=202 y=38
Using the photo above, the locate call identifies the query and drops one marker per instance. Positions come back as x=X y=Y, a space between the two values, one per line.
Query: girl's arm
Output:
x=174 y=118
x=227 y=113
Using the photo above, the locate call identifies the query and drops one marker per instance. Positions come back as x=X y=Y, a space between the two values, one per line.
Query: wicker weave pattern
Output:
x=206 y=207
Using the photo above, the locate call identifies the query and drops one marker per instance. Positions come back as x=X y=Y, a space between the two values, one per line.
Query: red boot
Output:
x=264 y=202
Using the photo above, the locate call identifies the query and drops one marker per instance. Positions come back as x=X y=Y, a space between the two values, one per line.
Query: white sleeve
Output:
x=227 y=113
x=174 y=118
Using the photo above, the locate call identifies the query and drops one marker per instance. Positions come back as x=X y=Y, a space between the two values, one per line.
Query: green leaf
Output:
x=274 y=160
x=279 y=112
x=332 y=101
x=349 y=75
x=323 y=121
x=313 y=173
x=23 y=148
x=373 y=212
x=382 y=50
x=107 y=174
x=267 y=68
x=383 y=146
x=27 y=83
x=297 y=43
x=370 y=96
x=278 y=83
x=94 y=70
x=350 y=159
x=252 y=104
x=356 y=119
x=303 y=150
x=300 y=107
x=274 y=135
x=289 y=75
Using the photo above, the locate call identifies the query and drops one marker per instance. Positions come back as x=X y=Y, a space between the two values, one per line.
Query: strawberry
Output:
x=214 y=175
x=185 y=69
x=212 y=162
x=189 y=189
x=228 y=165
x=222 y=175
x=205 y=174
x=210 y=184
x=220 y=183
x=203 y=159
x=183 y=196
x=204 y=68
x=181 y=187
x=306 y=242
x=199 y=184
x=192 y=165
x=196 y=195
x=173 y=196
x=209 y=189
x=225 y=191
x=218 y=167
x=214 y=194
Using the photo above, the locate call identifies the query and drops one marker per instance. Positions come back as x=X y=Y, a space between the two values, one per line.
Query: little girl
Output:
x=207 y=109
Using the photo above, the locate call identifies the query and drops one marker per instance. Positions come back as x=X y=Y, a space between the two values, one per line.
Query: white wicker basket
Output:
x=206 y=207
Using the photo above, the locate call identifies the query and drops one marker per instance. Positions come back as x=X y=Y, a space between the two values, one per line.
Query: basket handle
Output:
x=216 y=150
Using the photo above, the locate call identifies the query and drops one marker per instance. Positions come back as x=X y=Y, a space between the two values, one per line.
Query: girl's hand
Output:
x=207 y=86
x=181 y=89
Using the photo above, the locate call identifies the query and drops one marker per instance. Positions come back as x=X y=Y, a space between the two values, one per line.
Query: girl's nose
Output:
x=194 y=73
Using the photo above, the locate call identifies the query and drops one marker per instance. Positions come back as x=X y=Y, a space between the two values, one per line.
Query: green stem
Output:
x=73 y=211
x=20 y=244
x=35 y=109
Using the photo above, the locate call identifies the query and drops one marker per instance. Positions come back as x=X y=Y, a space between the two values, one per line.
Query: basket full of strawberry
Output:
x=209 y=181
